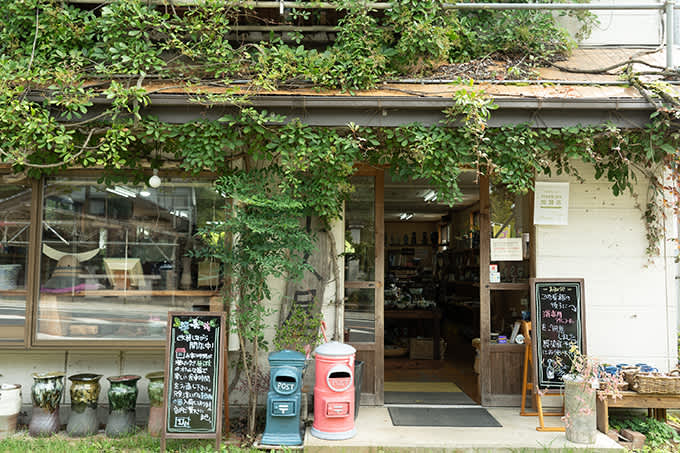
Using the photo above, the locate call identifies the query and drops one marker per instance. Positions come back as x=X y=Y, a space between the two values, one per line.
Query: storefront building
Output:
x=89 y=271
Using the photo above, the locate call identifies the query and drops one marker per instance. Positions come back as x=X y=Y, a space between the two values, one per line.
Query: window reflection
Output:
x=15 y=220
x=115 y=259
x=510 y=217
x=360 y=231
x=359 y=315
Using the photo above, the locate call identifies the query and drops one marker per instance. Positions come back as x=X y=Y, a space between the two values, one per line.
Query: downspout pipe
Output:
x=670 y=31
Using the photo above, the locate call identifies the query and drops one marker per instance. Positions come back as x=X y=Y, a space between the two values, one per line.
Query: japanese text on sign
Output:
x=558 y=327
x=193 y=380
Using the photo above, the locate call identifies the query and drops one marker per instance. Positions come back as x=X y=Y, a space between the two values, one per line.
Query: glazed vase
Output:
x=85 y=390
x=45 y=393
x=122 y=405
x=10 y=405
x=580 y=410
x=156 y=385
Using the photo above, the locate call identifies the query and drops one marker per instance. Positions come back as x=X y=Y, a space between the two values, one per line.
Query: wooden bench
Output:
x=655 y=404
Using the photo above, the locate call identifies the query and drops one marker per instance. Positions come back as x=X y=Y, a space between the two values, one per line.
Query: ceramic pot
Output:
x=85 y=390
x=580 y=411
x=156 y=384
x=122 y=404
x=45 y=393
x=10 y=405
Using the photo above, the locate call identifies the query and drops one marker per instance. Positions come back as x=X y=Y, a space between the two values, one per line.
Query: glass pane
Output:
x=510 y=226
x=359 y=315
x=360 y=231
x=114 y=259
x=508 y=308
x=15 y=205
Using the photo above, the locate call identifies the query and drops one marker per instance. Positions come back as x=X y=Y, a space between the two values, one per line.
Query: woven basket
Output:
x=657 y=383
x=628 y=373
x=623 y=386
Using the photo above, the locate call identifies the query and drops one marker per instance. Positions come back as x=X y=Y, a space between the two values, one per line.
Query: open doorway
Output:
x=432 y=294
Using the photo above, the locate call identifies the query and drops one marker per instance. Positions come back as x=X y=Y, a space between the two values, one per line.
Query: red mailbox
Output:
x=334 y=392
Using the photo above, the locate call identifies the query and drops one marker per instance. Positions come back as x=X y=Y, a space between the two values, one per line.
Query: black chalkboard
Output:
x=558 y=322
x=194 y=363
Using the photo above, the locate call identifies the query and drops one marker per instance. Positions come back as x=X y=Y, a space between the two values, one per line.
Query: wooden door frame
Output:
x=485 y=370
x=484 y=290
x=378 y=284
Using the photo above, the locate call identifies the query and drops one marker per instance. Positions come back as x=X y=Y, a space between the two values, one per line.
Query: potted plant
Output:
x=581 y=386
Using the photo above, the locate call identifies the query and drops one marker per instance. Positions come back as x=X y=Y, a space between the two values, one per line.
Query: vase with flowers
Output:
x=581 y=386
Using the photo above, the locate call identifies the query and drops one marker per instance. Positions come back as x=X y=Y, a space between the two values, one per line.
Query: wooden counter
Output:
x=656 y=405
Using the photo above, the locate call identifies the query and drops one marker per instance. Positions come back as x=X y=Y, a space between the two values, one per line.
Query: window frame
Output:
x=30 y=340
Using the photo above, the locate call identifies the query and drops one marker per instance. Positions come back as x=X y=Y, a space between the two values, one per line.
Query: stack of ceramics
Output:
x=45 y=393
x=85 y=390
x=156 y=384
x=122 y=405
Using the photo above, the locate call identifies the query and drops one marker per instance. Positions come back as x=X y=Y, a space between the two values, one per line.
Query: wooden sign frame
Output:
x=535 y=322
x=218 y=349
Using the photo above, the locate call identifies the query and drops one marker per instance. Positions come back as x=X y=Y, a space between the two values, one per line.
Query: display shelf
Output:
x=141 y=292
x=464 y=282
x=13 y=292
x=120 y=292
x=500 y=347
x=509 y=286
x=418 y=246
x=465 y=250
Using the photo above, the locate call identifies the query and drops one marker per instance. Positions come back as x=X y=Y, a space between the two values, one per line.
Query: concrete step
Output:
x=376 y=434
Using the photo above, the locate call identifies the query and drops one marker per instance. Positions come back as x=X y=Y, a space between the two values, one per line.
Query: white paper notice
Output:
x=551 y=203
x=506 y=249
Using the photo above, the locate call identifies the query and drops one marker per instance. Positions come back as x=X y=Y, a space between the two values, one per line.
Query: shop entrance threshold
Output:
x=376 y=433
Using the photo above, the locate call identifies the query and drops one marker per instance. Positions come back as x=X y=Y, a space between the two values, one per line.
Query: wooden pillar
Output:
x=379 y=290
x=33 y=263
x=484 y=291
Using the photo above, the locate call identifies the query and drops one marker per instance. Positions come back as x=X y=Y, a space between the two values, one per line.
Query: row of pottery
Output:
x=46 y=393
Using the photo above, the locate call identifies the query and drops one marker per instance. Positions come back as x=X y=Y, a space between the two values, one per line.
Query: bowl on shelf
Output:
x=416 y=291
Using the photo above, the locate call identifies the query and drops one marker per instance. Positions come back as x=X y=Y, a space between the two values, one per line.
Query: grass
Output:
x=142 y=442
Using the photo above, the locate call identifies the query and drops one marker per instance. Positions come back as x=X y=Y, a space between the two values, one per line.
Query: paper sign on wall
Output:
x=551 y=203
x=506 y=249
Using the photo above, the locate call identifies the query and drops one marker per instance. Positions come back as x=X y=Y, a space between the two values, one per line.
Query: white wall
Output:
x=623 y=27
x=631 y=303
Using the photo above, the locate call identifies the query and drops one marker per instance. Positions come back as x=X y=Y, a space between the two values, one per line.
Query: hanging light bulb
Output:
x=155 y=180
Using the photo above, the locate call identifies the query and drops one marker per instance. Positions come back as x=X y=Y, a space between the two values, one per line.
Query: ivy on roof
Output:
x=52 y=41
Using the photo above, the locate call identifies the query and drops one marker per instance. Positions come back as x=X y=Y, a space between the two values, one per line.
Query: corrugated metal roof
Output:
x=557 y=99
x=552 y=83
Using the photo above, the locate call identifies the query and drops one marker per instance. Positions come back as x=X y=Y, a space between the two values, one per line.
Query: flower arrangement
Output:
x=585 y=378
x=589 y=372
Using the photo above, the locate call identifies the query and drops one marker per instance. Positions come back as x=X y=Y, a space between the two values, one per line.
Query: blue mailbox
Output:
x=283 y=400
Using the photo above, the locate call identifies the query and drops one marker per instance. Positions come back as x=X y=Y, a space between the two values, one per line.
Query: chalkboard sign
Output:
x=558 y=322
x=193 y=387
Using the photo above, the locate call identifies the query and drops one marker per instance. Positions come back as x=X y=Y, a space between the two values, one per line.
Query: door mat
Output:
x=468 y=417
x=441 y=398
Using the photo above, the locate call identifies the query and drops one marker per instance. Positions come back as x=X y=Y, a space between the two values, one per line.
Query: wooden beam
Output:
x=379 y=291
x=33 y=263
x=484 y=290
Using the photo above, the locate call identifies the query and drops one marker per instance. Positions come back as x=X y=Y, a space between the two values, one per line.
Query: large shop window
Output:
x=115 y=259
x=15 y=218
